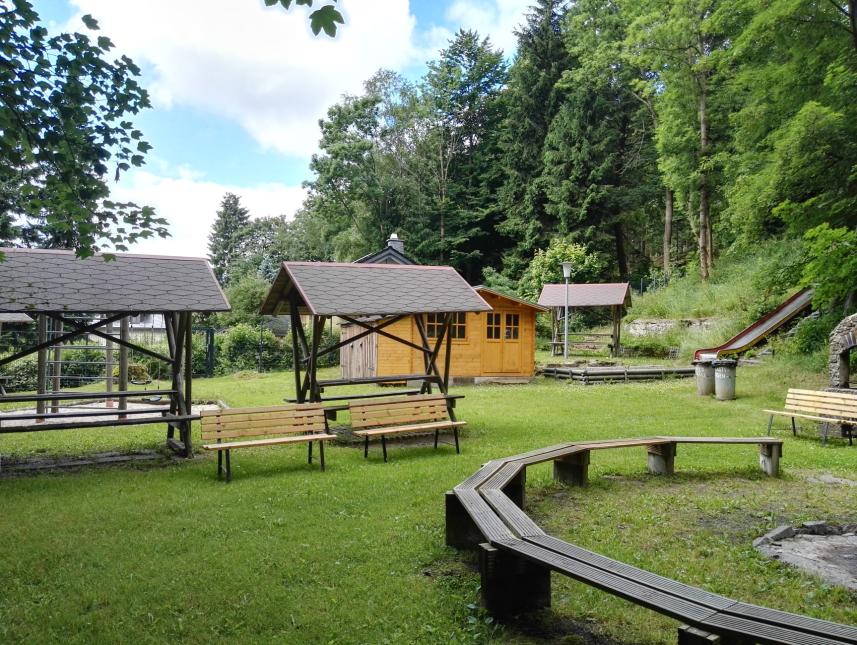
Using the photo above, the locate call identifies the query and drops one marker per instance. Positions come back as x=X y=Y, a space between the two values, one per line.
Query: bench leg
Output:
x=366 y=447
x=769 y=458
x=384 y=447
x=516 y=489
x=573 y=469
x=457 y=447
x=228 y=468
x=436 y=434
x=770 y=423
x=219 y=463
x=461 y=530
x=661 y=458
x=309 y=452
x=321 y=453
x=794 y=428
x=512 y=585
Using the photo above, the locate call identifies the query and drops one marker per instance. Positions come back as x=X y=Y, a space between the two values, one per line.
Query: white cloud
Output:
x=258 y=66
x=190 y=204
x=495 y=18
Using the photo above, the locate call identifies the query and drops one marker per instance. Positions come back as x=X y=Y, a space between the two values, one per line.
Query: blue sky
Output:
x=238 y=90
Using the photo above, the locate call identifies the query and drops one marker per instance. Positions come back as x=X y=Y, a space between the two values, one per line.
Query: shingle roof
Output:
x=586 y=295
x=480 y=289
x=15 y=318
x=43 y=280
x=332 y=289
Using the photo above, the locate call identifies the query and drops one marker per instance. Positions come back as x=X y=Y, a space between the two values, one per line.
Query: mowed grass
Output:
x=356 y=554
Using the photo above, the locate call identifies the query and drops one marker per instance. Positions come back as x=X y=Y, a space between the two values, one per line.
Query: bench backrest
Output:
x=407 y=410
x=826 y=404
x=235 y=423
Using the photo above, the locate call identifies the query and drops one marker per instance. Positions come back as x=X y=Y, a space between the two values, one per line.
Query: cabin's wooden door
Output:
x=511 y=342
x=492 y=354
x=502 y=349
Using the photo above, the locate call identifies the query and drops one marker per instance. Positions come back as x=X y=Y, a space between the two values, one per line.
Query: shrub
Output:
x=23 y=375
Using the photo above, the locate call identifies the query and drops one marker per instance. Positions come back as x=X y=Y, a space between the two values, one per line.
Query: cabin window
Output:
x=513 y=324
x=492 y=327
x=458 y=329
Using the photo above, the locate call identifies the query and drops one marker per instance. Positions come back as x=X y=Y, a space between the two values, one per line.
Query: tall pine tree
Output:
x=532 y=100
x=227 y=236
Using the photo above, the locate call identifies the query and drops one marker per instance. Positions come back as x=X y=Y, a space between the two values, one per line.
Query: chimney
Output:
x=395 y=243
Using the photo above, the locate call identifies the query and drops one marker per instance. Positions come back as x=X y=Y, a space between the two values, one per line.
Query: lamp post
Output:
x=566 y=273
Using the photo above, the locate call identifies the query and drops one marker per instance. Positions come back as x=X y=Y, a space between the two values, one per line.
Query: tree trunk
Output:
x=668 y=229
x=621 y=254
x=852 y=18
x=705 y=255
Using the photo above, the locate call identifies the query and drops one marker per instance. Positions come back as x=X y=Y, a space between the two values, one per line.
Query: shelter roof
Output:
x=15 y=318
x=50 y=280
x=607 y=294
x=497 y=294
x=334 y=289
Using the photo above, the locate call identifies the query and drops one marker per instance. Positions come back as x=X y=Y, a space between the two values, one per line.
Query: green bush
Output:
x=243 y=347
x=23 y=375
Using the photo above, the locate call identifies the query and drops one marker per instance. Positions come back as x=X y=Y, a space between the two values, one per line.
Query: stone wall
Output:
x=842 y=338
x=658 y=326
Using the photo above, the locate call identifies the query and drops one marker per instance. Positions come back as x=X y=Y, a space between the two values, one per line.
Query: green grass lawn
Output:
x=355 y=554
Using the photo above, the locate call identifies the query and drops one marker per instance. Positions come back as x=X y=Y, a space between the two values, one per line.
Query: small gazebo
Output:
x=615 y=296
x=73 y=298
x=372 y=297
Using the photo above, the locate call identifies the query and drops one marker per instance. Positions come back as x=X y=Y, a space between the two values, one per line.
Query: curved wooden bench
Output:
x=516 y=556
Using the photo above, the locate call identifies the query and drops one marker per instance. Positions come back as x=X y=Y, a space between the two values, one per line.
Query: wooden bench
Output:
x=817 y=405
x=408 y=415
x=271 y=426
x=516 y=556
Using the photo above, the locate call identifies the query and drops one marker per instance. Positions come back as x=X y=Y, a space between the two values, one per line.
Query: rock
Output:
x=816 y=527
x=782 y=532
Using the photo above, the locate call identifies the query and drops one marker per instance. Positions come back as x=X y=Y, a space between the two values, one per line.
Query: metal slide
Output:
x=760 y=329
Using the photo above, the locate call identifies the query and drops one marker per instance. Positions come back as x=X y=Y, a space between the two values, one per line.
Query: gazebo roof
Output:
x=608 y=294
x=49 y=280
x=334 y=289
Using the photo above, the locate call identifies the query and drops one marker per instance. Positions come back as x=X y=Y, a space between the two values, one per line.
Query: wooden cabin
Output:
x=492 y=345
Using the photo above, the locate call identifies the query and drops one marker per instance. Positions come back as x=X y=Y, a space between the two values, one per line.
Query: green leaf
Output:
x=90 y=22
x=326 y=19
x=271 y=3
x=286 y=3
x=105 y=43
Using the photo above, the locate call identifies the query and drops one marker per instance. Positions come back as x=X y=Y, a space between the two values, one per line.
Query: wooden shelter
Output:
x=372 y=298
x=615 y=296
x=73 y=299
x=494 y=345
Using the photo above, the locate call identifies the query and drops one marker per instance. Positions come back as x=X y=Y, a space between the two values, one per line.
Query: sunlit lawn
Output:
x=355 y=554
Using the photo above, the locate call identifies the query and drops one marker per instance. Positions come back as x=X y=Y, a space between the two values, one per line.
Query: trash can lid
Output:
x=724 y=362
x=703 y=361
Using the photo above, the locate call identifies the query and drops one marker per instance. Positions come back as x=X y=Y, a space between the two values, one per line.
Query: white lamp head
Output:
x=566 y=270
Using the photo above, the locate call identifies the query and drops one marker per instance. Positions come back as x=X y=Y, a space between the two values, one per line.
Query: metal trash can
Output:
x=724 y=379
x=704 y=377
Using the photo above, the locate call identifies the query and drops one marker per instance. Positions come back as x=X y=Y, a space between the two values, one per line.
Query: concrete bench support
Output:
x=572 y=469
x=512 y=585
x=661 y=458
x=769 y=458
x=515 y=489
x=461 y=531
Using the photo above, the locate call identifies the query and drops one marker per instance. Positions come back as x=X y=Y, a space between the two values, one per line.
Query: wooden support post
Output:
x=295 y=320
x=124 y=332
x=108 y=365
x=661 y=458
x=573 y=469
x=188 y=363
x=512 y=585
x=688 y=635
x=56 y=366
x=461 y=530
x=447 y=329
x=516 y=488
x=42 y=364
x=769 y=458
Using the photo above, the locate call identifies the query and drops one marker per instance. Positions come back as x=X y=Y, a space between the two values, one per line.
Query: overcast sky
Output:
x=238 y=89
